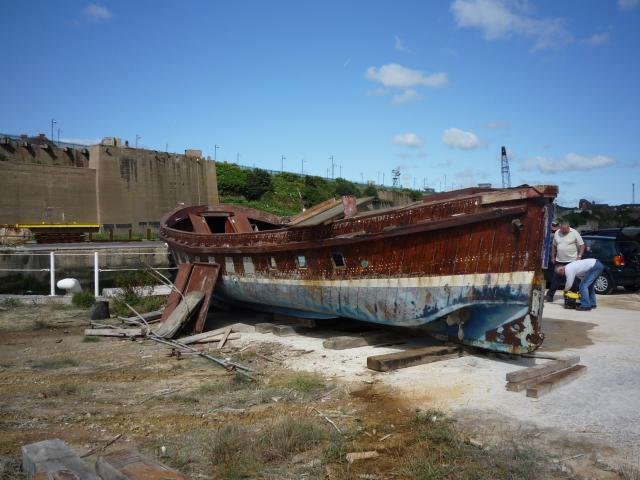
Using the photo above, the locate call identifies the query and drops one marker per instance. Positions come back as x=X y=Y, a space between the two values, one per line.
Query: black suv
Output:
x=620 y=256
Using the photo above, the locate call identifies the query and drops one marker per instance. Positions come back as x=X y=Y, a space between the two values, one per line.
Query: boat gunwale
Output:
x=199 y=240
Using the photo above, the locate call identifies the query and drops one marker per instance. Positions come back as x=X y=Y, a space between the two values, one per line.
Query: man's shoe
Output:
x=548 y=298
x=583 y=309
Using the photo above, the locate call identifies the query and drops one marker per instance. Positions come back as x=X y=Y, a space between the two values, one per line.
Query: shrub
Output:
x=258 y=183
x=11 y=303
x=290 y=435
x=83 y=299
x=345 y=187
x=306 y=383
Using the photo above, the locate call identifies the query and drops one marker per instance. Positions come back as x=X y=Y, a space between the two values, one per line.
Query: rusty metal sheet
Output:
x=184 y=270
x=203 y=279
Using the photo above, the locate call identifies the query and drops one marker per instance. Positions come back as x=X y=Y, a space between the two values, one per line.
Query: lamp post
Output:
x=59 y=135
x=215 y=151
x=302 y=171
x=332 y=166
x=138 y=137
x=282 y=158
x=53 y=122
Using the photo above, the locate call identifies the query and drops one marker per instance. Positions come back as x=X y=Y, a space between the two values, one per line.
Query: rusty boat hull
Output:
x=465 y=266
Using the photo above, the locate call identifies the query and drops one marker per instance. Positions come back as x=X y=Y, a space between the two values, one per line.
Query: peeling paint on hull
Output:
x=489 y=302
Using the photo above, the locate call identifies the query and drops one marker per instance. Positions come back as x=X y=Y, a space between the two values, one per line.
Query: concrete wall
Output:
x=136 y=187
x=395 y=197
x=109 y=184
x=33 y=193
x=41 y=151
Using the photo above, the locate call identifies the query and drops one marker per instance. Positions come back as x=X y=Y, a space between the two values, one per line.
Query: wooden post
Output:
x=130 y=234
x=148 y=233
x=111 y=235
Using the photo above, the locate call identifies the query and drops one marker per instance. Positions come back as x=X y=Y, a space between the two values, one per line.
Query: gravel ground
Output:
x=600 y=410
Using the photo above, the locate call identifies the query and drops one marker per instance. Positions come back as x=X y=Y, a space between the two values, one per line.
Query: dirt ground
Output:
x=210 y=423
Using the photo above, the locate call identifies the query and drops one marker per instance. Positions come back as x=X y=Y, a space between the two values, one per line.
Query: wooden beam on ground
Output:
x=225 y=335
x=348 y=341
x=409 y=358
x=264 y=327
x=130 y=465
x=51 y=456
x=304 y=322
x=115 y=332
x=542 y=369
x=211 y=339
x=556 y=380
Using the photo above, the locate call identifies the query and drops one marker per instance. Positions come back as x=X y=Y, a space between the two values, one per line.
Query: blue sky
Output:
x=434 y=88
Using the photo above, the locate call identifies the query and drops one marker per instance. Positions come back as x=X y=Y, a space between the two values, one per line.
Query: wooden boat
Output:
x=464 y=265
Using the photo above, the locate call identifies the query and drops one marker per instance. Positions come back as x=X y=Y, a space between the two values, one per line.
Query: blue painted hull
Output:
x=471 y=309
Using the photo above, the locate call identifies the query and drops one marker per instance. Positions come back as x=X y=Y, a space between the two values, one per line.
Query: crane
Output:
x=506 y=174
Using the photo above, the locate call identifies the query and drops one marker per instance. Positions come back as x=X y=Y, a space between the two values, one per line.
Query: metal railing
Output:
x=96 y=266
x=18 y=138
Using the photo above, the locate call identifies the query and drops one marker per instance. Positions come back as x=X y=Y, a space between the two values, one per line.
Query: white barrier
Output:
x=96 y=266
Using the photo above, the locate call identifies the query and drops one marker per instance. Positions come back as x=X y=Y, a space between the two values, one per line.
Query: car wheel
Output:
x=604 y=284
x=632 y=288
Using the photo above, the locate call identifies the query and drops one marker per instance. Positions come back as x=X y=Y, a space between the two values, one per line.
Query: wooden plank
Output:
x=211 y=339
x=179 y=316
x=115 y=332
x=175 y=297
x=128 y=464
x=264 y=327
x=556 y=380
x=283 y=330
x=225 y=335
x=304 y=322
x=199 y=336
x=542 y=369
x=51 y=456
x=409 y=358
x=203 y=279
x=349 y=341
x=149 y=316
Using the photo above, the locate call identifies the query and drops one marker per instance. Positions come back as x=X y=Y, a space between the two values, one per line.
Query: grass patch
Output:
x=83 y=299
x=64 y=389
x=91 y=339
x=288 y=436
x=55 y=363
x=40 y=324
x=306 y=383
x=630 y=471
x=11 y=303
x=438 y=450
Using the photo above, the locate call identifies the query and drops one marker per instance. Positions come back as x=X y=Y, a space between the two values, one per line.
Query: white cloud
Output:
x=504 y=18
x=456 y=138
x=497 y=124
x=628 y=4
x=597 y=39
x=397 y=76
x=571 y=161
x=408 y=139
x=97 y=12
x=406 y=97
x=399 y=45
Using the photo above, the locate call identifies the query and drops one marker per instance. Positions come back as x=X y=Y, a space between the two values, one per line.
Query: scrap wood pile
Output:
x=187 y=305
x=541 y=379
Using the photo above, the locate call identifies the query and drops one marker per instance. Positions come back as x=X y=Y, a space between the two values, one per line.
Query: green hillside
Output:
x=284 y=193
